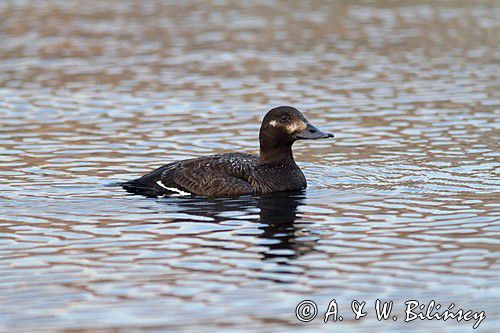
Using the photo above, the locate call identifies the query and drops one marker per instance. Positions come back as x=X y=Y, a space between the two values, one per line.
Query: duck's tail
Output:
x=138 y=186
x=147 y=184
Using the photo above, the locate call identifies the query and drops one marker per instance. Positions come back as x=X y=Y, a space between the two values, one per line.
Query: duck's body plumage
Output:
x=235 y=174
x=229 y=174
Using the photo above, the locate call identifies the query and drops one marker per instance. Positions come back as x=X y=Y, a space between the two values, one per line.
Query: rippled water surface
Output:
x=403 y=204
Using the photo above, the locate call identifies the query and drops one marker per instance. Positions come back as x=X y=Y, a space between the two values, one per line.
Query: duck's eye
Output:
x=285 y=117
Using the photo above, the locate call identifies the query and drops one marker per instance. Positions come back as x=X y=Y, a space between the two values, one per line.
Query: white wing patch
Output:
x=173 y=189
x=273 y=123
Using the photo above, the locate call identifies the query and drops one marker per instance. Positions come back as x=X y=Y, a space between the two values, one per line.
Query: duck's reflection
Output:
x=279 y=233
x=278 y=215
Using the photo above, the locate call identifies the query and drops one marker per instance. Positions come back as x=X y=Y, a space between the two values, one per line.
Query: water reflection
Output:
x=278 y=214
x=277 y=220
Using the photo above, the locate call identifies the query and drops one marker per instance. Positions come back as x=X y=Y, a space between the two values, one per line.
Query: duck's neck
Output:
x=276 y=155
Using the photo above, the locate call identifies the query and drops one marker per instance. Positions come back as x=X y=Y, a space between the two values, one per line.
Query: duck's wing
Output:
x=215 y=176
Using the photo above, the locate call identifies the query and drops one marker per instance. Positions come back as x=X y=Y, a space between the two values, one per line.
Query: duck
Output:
x=238 y=174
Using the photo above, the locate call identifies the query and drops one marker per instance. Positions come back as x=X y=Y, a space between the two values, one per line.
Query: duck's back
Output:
x=216 y=175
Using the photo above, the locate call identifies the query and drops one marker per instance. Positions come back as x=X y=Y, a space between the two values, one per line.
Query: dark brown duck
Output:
x=233 y=174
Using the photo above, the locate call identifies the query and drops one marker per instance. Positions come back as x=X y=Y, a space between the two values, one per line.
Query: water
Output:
x=403 y=204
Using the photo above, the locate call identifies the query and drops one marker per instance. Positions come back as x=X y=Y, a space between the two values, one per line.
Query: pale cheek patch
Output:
x=273 y=123
x=295 y=127
x=291 y=128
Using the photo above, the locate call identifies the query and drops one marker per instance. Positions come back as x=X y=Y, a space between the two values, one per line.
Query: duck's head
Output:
x=284 y=125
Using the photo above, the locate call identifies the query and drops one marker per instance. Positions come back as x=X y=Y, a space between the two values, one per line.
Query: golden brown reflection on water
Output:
x=404 y=204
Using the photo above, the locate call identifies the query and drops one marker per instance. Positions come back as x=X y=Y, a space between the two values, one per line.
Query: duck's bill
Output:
x=313 y=133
